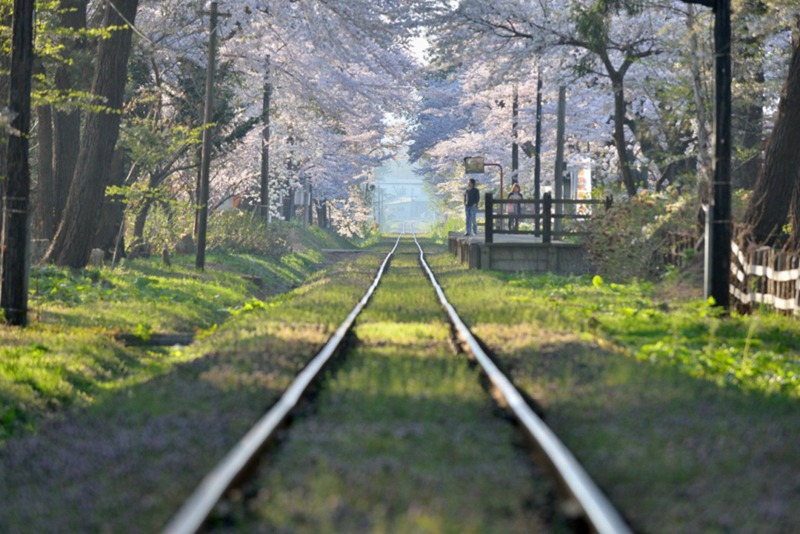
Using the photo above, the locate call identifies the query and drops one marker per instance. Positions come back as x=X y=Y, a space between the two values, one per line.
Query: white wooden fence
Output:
x=767 y=277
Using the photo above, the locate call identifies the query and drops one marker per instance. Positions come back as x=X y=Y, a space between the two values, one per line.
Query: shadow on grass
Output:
x=126 y=463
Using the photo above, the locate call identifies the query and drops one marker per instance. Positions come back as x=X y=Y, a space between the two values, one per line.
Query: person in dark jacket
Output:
x=514 y=210
x=472 y=197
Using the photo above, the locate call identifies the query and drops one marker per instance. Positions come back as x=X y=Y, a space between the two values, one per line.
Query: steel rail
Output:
x=194 y=512
x=597 y=509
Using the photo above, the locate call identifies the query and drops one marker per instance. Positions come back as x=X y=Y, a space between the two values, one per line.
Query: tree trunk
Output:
x=620 y=107
x=67 y=122
x=5 y=68
x=113 y=211
x=749 y=115
x=705 y=166
x=141 y=215
x=73 y=240
x=265 y=134
x=777 y=182
x=44 y=226
x=322 y=214
x=16 y=201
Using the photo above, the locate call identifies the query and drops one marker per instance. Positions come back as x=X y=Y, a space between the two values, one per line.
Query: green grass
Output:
x=402 y=438
x=69 y=355
x=755 y=353
x=712 y=417
x=683 y=416
x=125 y=461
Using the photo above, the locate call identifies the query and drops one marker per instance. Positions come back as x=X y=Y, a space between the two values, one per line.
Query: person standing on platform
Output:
x=472 y=197
x=514 y=210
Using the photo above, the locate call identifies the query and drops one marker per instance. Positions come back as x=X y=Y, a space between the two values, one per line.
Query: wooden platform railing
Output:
x=767 y=277
x=546 y=215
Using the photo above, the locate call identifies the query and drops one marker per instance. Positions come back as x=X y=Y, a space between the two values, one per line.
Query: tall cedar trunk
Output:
x=113 y=210
x=16 y=199
x=67 y=122
x=749 y=115
x=5 y=67
x=44 y=226
x=777 y=182
x=793 y=243
x=72 y=243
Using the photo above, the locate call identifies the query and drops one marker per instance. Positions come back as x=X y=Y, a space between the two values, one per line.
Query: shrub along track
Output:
x=401 y=438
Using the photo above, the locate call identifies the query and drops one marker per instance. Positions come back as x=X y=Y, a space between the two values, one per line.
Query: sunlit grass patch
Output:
x=46 y=370
x=752 y=352
x=401 y=333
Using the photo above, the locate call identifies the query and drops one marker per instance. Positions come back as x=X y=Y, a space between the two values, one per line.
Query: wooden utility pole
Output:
x=205 y=154
x=719 y=226
x=718 y=269
x=558 y=184
x=16 y=202
x=537 y=170
x=264 y=211
x=514 y=136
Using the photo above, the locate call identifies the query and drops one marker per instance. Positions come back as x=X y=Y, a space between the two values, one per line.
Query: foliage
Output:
x=630 y=240
x=167 y=222
x=441 y=231
x=752 y=353
x=243 y=231
x=70 y=355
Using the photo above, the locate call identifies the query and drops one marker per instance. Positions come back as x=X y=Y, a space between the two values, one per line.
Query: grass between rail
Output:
x=687 y=419
x=402 y=437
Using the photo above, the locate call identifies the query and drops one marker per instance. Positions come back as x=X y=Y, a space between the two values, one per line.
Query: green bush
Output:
x=244 y=232
x=441 y=232
x=166 y=223
x=632 y=238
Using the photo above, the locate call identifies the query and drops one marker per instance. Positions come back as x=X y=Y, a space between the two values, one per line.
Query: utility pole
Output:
x=265 y=144
x=514 y=136
x=558 y=184
x=537 y=170
x=310 y=204
x=205 y=155
x=719 y=226
x=718 y=268
x=16 y=201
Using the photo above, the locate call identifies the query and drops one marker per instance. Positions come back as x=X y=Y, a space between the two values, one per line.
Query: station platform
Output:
x=520 y=253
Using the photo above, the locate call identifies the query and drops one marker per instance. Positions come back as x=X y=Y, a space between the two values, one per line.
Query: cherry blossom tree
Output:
x=632 y=82
x=336 y=70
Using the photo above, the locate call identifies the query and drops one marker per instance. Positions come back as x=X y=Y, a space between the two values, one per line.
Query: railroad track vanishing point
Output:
x=582 y=499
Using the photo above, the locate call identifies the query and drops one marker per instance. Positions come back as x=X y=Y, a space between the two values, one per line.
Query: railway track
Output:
x=381 y=350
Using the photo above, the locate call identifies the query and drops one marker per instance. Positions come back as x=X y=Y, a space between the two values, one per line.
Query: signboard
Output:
x=581 y=184
x=473 y=165
x=529 y=149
